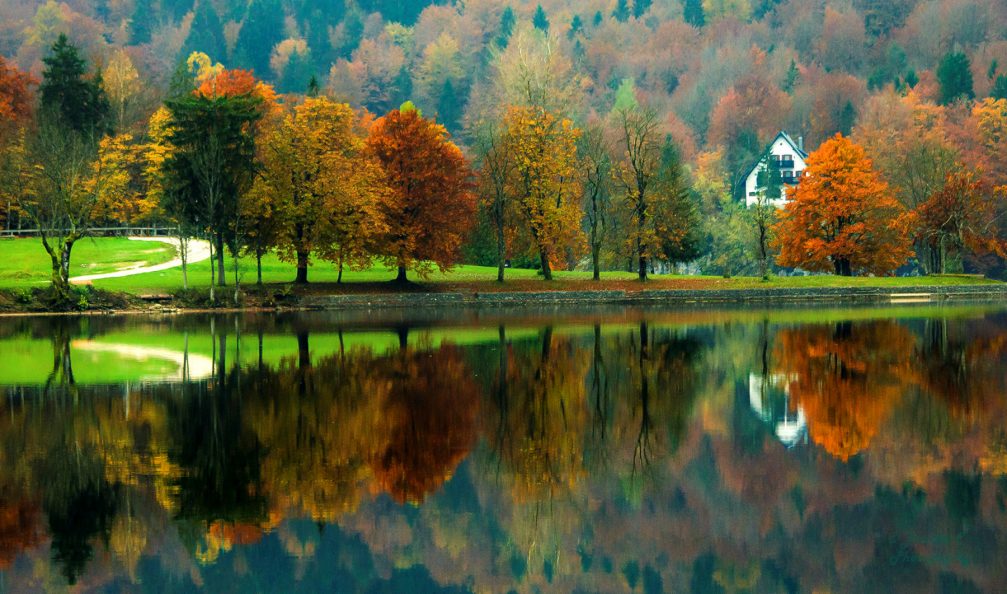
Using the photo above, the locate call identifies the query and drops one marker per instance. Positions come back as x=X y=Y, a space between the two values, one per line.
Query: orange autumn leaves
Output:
x=843 y=217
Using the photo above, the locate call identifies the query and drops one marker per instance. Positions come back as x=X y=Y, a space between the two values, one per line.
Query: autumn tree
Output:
x=325 y=191
x=16 y=110
x=69 y=180
x=496 y=162
x=597 y=166
x=430 y=207
x=122 y=83
x=545 y=181
x=842 y=217
x=962 y=215
x=655 y=191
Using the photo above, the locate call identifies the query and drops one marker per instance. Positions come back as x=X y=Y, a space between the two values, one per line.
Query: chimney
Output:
x=800 y=142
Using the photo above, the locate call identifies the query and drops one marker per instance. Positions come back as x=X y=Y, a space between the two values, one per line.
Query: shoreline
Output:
x=915 y=294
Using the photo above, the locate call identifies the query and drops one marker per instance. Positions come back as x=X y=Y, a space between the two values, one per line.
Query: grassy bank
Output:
x=24 y=265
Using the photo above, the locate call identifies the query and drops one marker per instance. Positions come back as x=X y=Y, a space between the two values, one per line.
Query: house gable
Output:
x=784 y=154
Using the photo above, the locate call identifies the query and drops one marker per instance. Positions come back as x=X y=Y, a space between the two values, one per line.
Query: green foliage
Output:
x=683 y=239
x=206 y=34
x=692 y=12
x=576 y=27
x=67 y=93
x=955 y=76
x=621 y=11
x=141 y=22
x=259 y=34
x=449 y=107
x=540 y=20
x=212 y=164
x=507 y=22
x=999 y=90
x=298 y=74
x=625 y=96
x=640 y=7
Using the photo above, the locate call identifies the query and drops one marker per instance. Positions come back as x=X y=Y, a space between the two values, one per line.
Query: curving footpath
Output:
x=199 y=250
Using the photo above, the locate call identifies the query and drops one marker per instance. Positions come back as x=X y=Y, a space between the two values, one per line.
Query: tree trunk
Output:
x=546 y=267
x=501 y=249
x=595 y=263
x=258 y=268
x=643 y=267
x=213 y=272
x=400 y=278
x=339 y=277
x=221 y=277
x=302 y=268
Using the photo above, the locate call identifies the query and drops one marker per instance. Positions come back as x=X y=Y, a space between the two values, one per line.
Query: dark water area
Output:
x=585 y=450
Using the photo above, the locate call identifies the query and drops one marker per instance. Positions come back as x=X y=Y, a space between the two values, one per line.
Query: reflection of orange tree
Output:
x=432 y=408
x=20 y=528
x=846 y=377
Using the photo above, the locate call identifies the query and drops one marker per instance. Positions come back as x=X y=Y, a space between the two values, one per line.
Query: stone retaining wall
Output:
x=791 y=296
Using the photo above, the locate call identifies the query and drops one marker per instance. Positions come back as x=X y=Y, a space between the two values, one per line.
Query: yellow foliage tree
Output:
x=546 y=182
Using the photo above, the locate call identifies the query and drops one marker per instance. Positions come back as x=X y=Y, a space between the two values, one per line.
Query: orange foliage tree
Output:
x=431 y=207
x=962 y=215
x=432 y=408
x=842 y=217
x=846 y=378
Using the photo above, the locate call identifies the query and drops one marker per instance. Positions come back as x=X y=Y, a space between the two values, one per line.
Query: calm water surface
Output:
x=640 y=450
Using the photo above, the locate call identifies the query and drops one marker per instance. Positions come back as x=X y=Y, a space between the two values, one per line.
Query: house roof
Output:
x=788 y=139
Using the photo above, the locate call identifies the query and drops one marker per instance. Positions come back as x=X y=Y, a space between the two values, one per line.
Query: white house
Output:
x=787 y=156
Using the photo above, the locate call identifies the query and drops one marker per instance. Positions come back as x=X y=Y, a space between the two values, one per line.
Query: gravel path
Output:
x=198 y=251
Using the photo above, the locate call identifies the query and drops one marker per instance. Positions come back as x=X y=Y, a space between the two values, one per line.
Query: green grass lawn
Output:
x=25 y=263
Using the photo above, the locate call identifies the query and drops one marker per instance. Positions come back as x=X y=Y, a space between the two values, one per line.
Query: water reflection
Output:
x=631 y=451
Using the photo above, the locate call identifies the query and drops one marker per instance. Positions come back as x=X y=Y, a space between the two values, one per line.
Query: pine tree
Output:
x=507 y=22
x=297 y=74
x=541 y=21
x=67 y=93
x=598 y=18
x=141 y=23
x=621 y=12
x=206 y=34
x=177 y=9
x=640 y=7
x=999 y=90
x=793 y=75
x=449 y=110
x=261 y=31
x=955 y=76
x=693 y=13
x=576 y=27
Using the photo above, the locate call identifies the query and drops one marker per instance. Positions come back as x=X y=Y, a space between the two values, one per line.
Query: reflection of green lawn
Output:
x=29 y=361
x=24 y=262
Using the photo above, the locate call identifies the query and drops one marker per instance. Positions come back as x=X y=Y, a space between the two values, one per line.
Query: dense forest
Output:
x=918 y=85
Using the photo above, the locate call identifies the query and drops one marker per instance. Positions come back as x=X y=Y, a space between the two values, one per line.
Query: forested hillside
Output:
x=713 y=66
x=707 y=83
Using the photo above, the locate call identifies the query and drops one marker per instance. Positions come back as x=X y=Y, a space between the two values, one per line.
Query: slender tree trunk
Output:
x=643 y=266
x=401 y=277
x=221 y=277
x=302 y=268
x=183 y=254
x=258 y=268
x=339 y=277
x=595 y=263
x=213 y=271
x=501 y=247
x=546 y=266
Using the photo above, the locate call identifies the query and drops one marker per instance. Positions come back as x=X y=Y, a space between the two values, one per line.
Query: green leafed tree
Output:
x=541 y=20
x=955 y=76
x=212 y=164
x=260 y=32
x=206 y=33
x=69 y=93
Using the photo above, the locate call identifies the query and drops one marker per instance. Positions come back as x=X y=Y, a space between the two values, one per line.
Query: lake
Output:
x=575 y=450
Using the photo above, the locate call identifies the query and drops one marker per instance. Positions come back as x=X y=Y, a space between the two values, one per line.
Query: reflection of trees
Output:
x=541 y=413
x=847 y=377
x=432 y=406
x=80 y=505
x=19 y=528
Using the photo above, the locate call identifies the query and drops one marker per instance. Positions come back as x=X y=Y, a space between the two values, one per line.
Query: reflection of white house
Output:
x=784 y=155
x=773 y=406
